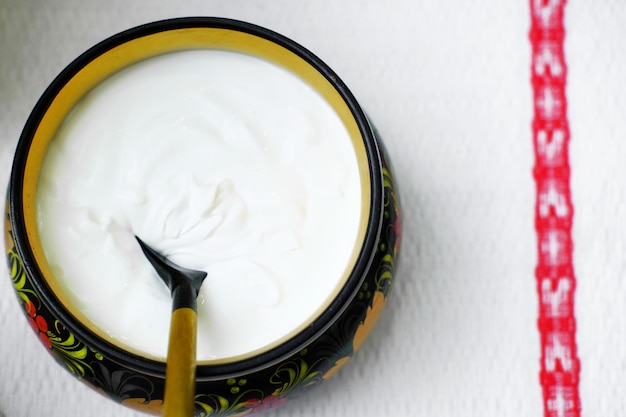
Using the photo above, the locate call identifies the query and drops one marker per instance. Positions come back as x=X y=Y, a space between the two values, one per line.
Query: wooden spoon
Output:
x=180 y=373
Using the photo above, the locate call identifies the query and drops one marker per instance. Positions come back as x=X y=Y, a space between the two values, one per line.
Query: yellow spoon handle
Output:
x=180 y=374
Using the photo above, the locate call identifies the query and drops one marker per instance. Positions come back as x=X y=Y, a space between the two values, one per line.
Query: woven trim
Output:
x=556 y=281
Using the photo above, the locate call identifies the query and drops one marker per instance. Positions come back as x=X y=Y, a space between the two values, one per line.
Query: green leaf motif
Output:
x=213 y=405
x=295 y=376
x=387 y=178
x=384 y=273
x=18 y=277
x=69 y=351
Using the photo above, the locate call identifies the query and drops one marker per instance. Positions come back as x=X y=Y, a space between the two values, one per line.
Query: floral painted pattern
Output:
x=235 y=397
x=61 y=344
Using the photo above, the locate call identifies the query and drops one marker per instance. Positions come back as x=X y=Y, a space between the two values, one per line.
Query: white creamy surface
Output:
x=222 y=162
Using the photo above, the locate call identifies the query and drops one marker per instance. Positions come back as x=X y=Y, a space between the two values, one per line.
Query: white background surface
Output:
x=448 y=85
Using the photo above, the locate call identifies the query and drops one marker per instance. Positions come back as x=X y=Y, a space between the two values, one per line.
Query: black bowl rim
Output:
x=204 y=371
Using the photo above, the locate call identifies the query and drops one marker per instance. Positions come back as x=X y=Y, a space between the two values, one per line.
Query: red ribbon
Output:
x=556 y=281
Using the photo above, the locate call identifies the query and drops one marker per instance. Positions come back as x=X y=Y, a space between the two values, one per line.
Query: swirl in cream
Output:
x=224 y=163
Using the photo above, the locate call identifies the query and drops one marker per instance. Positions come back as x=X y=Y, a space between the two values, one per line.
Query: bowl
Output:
x=259 y=378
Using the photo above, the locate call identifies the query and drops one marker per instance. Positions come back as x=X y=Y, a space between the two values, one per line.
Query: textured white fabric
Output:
x=448 y=85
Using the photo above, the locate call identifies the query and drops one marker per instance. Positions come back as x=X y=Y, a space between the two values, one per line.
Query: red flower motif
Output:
x=41 y=324
x=45 y=340
x=29 y=306
x=259 y=406
x=38 y=323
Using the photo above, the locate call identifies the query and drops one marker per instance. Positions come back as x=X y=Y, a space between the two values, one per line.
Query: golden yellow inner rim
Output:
x=148 y=46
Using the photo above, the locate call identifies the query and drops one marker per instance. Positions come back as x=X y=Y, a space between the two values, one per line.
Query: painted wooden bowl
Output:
x=249 y=383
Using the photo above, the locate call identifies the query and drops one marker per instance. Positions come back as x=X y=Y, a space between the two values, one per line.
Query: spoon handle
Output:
x=180 y=380
x=180 y=370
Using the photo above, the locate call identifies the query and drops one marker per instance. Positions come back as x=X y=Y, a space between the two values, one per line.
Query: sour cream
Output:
x=224 y=163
